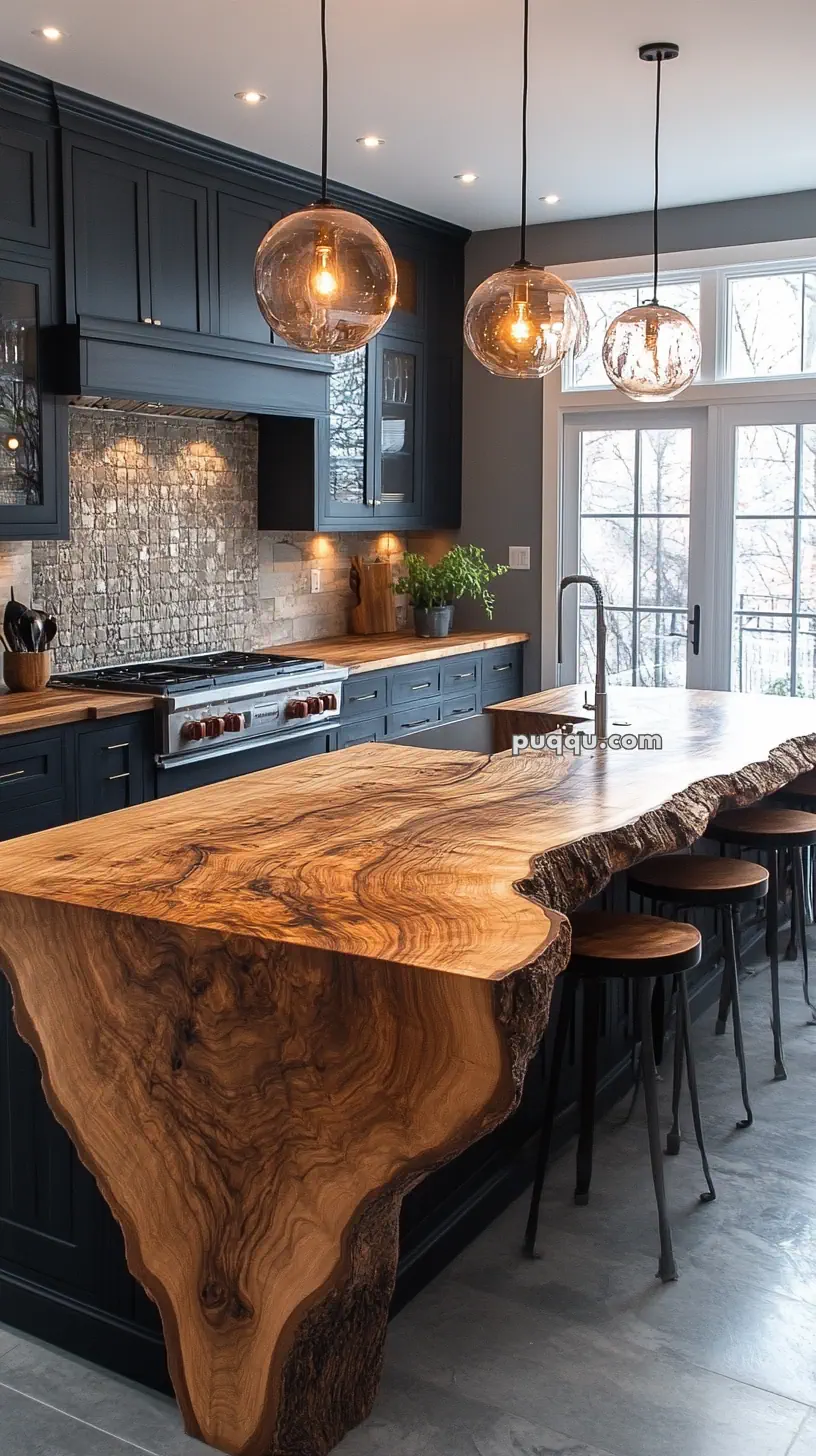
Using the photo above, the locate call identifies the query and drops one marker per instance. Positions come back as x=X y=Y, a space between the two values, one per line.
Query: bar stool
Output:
x=638 y=948
x=772 y=831
x=801 y=794
x=697 y=880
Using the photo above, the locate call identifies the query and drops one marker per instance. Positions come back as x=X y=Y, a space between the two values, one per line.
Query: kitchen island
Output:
x=266 y=1009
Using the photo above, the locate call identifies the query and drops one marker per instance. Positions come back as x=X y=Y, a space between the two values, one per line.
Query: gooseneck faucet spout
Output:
x=600 y=646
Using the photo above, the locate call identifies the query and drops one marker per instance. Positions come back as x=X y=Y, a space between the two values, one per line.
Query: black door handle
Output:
x=694 y=623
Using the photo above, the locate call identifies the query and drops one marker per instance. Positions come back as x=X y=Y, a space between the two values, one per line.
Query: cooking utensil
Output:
x=49 y=632
x=11 y=618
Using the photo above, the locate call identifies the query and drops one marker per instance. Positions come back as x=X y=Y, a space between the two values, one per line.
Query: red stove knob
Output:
x=193 y=729
x=296 y=708
x=213 y=727
x=328 y=700
x=314 y=705
x=234 y=722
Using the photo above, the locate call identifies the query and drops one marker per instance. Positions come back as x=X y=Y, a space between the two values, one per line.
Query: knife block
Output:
x=26 y=672
x=376 y=609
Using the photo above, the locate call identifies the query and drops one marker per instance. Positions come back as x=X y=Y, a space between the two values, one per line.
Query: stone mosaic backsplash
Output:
x=165 y=556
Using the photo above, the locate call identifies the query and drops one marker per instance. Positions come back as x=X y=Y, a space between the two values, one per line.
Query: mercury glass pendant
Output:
x=652 y=352
x=325 y=278
x=523 y=321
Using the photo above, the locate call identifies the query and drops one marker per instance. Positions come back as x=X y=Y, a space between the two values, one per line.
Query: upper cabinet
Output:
x=241 y=226
x=139 y=244
x=23 y=188
x=33 y=431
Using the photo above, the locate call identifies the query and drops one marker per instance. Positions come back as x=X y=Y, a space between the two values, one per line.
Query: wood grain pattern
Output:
x=25 y=712
x=709 y=875
x=265 y=1009
x=606 y=944
x=395 y=649
x=376 y=610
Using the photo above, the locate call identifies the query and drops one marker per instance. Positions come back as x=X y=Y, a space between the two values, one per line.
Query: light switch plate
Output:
x=518 y=558
x=315 y=576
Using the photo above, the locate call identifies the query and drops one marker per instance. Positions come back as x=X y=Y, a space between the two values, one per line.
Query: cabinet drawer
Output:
x=463 y=706
x=111 y=764
x=368 y=730
x=365 y=695
x=459 y=674
x=404 y=720
x=31 y=818
x=501 y=674
x=411 y=683
x=31 y=769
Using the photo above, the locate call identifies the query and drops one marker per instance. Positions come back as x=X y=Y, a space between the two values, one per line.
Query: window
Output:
x=771 y=325
x=604 y=304
x=774 y=611
x=635 y=487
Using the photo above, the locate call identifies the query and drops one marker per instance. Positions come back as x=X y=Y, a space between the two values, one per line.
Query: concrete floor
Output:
x=583 y=1352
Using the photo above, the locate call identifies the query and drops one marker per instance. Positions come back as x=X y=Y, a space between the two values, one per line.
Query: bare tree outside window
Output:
x=635 y=502
x=603 y=305
x=347 y=405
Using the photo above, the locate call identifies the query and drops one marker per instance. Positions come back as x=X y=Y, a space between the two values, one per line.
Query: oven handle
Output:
x=206 y=755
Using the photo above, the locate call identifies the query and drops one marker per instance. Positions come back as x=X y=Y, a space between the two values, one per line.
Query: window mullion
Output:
x=797 y=534
x=636 y=563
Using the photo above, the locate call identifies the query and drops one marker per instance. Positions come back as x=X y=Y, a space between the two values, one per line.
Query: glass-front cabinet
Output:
x=376 y=403
x=32 y=470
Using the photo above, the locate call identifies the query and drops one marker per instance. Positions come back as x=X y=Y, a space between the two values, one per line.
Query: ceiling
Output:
x=440 y=79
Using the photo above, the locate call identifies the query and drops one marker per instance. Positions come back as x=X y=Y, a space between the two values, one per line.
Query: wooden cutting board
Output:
x=375 y=610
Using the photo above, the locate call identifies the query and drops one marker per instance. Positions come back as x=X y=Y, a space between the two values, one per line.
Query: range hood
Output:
x=134 y=366
x=101 y=403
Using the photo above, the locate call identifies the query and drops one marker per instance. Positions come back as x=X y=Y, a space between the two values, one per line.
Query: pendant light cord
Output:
x=524 y=90
x=324 y=168
x=657 y=172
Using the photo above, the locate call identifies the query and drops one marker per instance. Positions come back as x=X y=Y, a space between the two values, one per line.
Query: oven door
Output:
x=180 y=772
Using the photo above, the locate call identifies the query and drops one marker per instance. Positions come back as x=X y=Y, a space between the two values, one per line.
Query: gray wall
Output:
x=503 y=419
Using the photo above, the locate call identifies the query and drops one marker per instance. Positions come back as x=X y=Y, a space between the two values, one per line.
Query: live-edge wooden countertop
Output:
x=395 y=649
x=25 y=712
x=263 y=1010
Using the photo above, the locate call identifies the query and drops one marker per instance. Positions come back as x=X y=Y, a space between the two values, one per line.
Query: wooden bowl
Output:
x=26 y=672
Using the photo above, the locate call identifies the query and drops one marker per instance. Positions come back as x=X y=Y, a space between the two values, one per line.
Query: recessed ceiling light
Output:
x=252 y=98
x=466 y=177
x=49 y=32
x=551 y=198
x=371 y=141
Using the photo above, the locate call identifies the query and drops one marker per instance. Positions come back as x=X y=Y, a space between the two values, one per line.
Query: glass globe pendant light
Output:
x=652 y=352
x=523 y=321
x=325 y=278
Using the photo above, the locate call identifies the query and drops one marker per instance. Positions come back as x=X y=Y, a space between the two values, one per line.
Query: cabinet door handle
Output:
x=363 y=698
x=109 y=747
x=157 y=323
x=417 y=687
x=18 y=773
x=462 y=677
x=505 y=668
x=111 y=777
x=147 y=320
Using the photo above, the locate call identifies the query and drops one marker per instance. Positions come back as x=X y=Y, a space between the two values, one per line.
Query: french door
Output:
x=634 y=515
x=700 y=525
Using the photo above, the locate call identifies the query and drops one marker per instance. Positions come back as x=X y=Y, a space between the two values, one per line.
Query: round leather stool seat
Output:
x=764 y=827
x=632 y=945
x=699 y=879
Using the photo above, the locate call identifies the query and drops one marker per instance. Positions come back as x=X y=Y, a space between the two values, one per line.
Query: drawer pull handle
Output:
x=19 y=773
x=506 y=668
x=417 y=687
x=462 y=676
x=111 y=777
x=418 y=724
x=109 y=747
x=458 y=712
x=363 y=698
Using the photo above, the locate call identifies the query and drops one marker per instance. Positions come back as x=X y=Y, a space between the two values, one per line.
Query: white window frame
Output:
x=713 y=392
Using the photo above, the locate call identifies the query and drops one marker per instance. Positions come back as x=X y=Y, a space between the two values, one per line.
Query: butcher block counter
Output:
x=395 y=649
x=264 y=1010
x=24 y=712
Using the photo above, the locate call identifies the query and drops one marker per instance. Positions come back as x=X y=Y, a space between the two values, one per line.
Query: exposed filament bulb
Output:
x=521 y=327
x=324 y=277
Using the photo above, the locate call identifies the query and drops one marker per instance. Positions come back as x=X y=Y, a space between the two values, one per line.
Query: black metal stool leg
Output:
x=691 y=1073
x=589 y=1079
x=674 y=1136
x=725 y=987
x=667 y=1269
x=780 y=1075
x=729 y=923
x=792 y=947
x=562 y=1026
x=799 y=902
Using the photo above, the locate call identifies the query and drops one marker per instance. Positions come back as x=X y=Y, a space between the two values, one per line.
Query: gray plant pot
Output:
x=433 y=621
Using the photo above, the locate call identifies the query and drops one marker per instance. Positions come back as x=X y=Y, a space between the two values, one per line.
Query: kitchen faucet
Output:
x=600 y=648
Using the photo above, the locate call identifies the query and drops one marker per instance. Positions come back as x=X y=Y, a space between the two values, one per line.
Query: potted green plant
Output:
x=433 y=590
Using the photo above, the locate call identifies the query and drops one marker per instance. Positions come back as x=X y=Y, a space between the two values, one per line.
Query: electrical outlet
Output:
x=518 y=558
x=315 y=575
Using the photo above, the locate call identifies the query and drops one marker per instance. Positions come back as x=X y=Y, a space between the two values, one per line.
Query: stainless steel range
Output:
x=221 y=702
